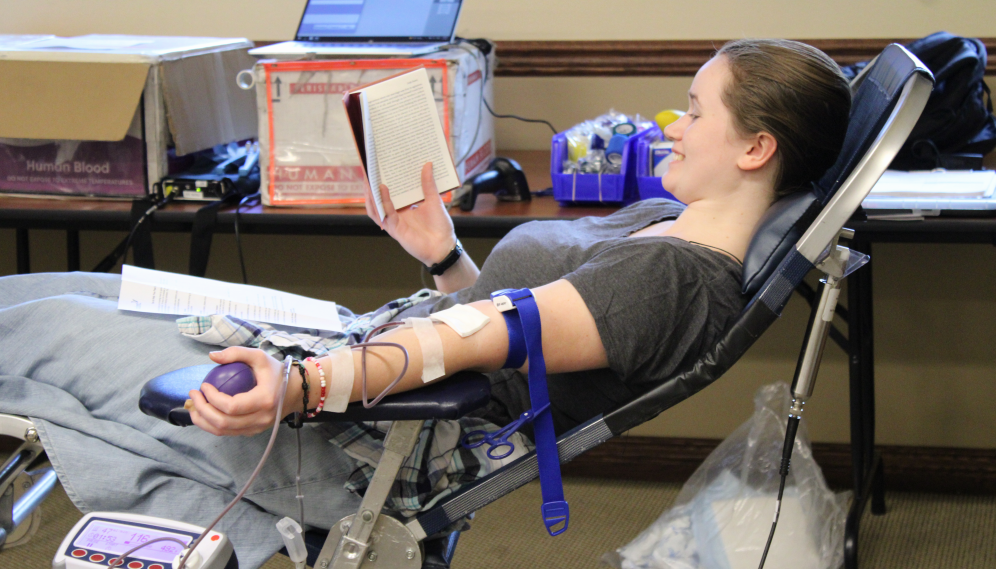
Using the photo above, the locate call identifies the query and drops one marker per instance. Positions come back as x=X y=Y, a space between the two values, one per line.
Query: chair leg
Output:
x=439 y=552
x=21 y=492
x=350 y=547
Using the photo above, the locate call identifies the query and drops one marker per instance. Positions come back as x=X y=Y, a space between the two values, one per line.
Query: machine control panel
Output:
x=100 y=538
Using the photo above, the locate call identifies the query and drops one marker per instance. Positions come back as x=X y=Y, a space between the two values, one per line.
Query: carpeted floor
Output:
x=920 y=530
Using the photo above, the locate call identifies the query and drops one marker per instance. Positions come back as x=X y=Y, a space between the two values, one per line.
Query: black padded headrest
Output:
x=779 y=230
x=788 y=218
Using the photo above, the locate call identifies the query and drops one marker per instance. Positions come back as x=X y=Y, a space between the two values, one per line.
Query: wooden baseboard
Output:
x=907 y=468
x=664 y=58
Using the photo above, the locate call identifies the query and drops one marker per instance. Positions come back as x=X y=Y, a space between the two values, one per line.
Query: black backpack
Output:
x=957 y=127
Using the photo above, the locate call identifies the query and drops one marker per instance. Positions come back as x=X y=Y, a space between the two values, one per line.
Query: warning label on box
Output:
x=72 y=167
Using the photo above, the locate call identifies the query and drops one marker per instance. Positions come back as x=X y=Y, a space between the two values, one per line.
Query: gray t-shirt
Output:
x=658 y=304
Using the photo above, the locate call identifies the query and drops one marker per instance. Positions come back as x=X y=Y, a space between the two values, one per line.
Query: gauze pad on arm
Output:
x=462 y=318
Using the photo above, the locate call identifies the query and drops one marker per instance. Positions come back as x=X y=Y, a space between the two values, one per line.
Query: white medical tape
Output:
x=341 y=381
x=432 y=347
x=464 y=319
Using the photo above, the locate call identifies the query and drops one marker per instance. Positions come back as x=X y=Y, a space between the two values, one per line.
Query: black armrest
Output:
x=163 y=397
x=451 y=398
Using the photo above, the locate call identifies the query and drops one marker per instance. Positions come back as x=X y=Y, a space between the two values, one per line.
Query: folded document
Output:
x=933 y=191
x=158 y=292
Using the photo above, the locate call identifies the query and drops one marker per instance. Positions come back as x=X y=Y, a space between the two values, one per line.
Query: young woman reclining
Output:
x=626 y=301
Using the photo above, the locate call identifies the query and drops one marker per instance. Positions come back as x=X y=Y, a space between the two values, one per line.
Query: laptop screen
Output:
x=378 y=20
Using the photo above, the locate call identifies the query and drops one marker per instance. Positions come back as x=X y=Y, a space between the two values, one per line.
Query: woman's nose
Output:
x=673 y=131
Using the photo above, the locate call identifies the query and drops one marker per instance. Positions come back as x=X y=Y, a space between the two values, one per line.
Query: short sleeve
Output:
x=658 y=303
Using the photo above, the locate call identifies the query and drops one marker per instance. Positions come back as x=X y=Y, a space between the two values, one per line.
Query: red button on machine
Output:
x=215 y=537
x=136 y=565
x=97 y=557
x=155 y=566
x=78 y=552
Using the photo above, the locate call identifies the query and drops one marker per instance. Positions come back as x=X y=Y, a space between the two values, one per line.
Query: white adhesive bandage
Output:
x=462 y=318
x=432 y=347
x=341 y=384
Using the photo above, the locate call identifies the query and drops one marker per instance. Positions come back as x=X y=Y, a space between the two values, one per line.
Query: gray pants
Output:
x=74 y=363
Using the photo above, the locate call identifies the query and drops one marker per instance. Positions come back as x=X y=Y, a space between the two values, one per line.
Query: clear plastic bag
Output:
x=723 y=514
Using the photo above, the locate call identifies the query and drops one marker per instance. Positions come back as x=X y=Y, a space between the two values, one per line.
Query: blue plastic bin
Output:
x=610 y=189
x=648 y=186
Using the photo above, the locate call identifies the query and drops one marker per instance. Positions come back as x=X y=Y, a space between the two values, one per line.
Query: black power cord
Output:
x=238 y=238
x=790 y=431
x=517 y=117
x=111 y=260
x=484 y=48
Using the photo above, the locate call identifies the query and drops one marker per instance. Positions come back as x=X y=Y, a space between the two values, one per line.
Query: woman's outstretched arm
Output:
x=570 y=343
x=425 y=230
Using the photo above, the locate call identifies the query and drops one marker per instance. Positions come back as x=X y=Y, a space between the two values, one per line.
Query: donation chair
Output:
x=799 y=233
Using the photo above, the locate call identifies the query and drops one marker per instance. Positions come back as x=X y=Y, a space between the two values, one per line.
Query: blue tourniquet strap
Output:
x=516 y=341
x=555 y=510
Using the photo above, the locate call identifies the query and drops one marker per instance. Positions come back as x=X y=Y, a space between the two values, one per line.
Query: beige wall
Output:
x=526 y=19
x=935 y=305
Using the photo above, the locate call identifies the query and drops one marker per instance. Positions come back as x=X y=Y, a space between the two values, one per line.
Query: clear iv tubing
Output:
x=363 y=362
x=276 y=424
x=262 y=461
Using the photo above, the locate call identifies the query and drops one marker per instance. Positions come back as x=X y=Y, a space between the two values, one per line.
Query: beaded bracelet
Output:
x=305 y=386
x=321 y=382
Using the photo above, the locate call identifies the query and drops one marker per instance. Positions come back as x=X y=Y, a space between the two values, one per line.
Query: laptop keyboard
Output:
x=367 y=45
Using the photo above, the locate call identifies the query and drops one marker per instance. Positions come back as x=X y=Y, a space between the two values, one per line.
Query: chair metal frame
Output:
x=22 y=491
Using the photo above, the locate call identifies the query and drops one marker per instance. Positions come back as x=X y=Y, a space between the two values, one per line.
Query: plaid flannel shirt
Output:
x=439 y=465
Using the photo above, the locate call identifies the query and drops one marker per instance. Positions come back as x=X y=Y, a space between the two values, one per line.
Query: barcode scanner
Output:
x=503 y=178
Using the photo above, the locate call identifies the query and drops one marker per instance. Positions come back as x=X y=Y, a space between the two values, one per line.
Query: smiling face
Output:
x=707 y=147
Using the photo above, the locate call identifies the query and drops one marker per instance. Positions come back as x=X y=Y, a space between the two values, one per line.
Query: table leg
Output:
x=72 y=250
x=866 y=464
x=23 y=252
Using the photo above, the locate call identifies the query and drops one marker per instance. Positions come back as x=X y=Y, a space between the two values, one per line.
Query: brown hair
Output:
x=797 y=94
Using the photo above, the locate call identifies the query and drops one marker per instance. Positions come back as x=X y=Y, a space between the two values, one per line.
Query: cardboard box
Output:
x=102 y=115
x=307 y=153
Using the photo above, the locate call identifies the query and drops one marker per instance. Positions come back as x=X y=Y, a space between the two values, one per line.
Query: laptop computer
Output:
x=369 y=28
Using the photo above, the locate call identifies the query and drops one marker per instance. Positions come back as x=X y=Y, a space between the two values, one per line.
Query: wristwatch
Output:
x=450 y=260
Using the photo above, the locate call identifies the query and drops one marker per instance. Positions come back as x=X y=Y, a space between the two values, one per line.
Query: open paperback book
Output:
x=396 y=128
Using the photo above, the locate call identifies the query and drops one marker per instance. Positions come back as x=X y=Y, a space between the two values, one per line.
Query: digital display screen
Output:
x=116 y=539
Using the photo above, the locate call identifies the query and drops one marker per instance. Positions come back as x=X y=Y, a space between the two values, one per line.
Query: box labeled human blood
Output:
x=106 y=115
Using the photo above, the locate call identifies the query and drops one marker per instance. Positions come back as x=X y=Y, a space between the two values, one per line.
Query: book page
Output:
x=403 y=114
x=159 y=292
x=373 y=174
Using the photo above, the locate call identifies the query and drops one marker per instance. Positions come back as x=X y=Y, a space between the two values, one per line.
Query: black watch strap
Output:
x=450 y=260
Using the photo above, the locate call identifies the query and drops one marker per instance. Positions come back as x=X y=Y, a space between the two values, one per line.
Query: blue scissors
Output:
x=499 y=438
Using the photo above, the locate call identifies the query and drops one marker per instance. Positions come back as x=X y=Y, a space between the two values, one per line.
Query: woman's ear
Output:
x=761 y=150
